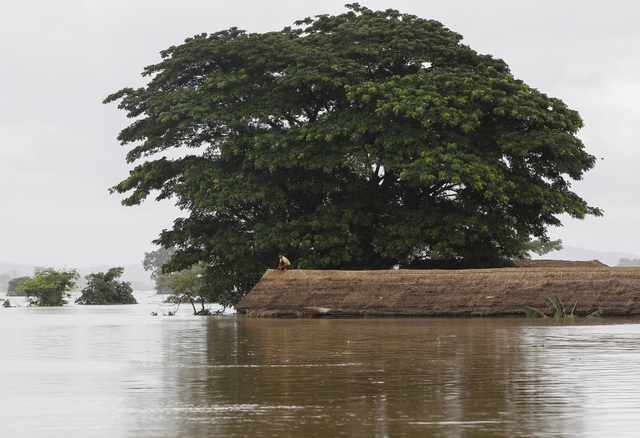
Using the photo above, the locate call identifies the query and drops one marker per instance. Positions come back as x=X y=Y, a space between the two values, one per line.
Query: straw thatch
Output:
x=544 y=263
x=478 y=292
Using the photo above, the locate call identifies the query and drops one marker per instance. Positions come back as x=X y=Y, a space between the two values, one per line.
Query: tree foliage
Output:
x=540 y=247
x=370 y=139
x=5 y=279
x=628 y=262
x=153 y=262
x=104 y=288
x=13 y=285
x=49 y=287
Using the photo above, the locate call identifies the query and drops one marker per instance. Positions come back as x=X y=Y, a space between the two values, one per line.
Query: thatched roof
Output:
x=477 y=292
x=544 y=263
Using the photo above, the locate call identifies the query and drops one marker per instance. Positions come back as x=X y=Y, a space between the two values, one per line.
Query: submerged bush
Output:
x=49 y=287
x=558 y=310
x=104 y=288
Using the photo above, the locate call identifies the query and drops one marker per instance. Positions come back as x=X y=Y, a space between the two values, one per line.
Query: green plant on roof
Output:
x=558 y=310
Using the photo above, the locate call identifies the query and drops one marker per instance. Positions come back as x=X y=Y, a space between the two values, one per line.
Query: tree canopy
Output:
x=49 y=287
x=154 y=261
x=13 y=285
x=366 y=140
x=104 y=288
x=540 y=247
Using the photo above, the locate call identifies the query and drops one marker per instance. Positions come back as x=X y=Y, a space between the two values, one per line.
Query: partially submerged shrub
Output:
x=49 y=287
x=558 y=310
x=104 y=288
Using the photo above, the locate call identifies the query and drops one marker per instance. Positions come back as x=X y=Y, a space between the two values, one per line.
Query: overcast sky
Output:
x=59 y=60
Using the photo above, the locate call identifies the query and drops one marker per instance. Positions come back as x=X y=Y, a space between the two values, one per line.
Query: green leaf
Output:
x=561 y=312
x=533 y=313
x=551 y=305
x=573 y=310
x=595 y=314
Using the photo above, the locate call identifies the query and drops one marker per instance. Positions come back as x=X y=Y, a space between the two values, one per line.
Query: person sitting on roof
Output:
x=283 y=263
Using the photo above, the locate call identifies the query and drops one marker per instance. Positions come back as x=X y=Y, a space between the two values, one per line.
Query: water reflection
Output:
x=390 y=377
x=120 y=372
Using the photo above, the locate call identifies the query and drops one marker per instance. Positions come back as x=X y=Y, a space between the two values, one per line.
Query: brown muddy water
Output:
x=101 y=371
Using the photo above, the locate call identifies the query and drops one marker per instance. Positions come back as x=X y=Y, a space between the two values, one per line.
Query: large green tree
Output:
x=369 y=139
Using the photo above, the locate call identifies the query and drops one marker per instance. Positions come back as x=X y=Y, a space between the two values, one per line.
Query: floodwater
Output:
x=118 y=371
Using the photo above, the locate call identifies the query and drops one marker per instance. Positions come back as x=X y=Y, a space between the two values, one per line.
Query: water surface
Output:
x=117 y=371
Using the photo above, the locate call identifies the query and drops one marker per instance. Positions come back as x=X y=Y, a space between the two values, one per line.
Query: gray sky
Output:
x=59 y=60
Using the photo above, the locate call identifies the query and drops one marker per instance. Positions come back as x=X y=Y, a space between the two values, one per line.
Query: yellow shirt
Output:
x=285 y=260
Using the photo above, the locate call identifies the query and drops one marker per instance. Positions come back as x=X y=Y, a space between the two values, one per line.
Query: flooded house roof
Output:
x=542 y=263
x=476 y=292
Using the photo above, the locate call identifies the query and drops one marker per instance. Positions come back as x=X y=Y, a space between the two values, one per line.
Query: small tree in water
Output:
x=188 y=285
x=104 y=288
x=49 y=287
